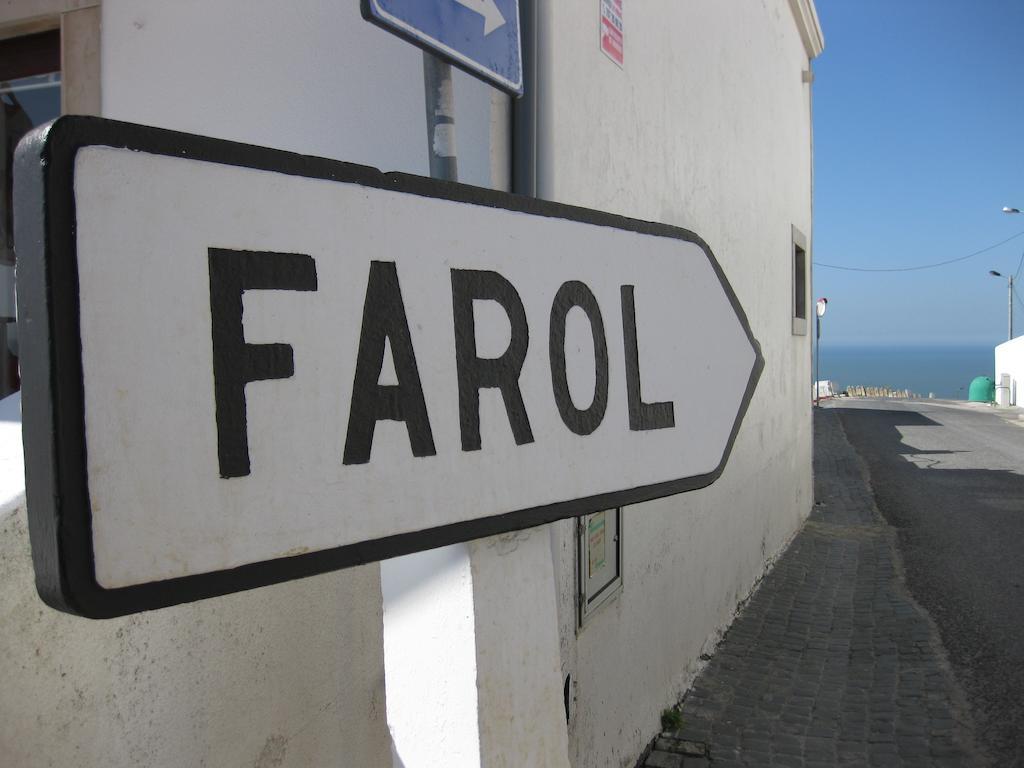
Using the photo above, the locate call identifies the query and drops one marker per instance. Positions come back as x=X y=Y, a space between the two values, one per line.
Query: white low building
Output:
x=519 y=649
x=1009 y=370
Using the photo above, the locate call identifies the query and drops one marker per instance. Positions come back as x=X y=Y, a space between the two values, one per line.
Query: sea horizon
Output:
x=942 y=369
x=911 y=342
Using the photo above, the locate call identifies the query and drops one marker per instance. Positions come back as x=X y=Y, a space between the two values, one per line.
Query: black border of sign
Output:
x=57 y=487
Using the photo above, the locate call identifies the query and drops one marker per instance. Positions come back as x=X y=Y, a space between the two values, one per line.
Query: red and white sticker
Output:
x=611 y=30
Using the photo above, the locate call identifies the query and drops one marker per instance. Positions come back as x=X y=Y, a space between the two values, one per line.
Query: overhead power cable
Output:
x=922 y=266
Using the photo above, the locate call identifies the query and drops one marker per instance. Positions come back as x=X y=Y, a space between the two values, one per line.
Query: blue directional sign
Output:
x=479 y=36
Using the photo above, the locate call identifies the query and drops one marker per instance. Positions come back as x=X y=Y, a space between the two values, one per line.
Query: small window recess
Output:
x=599 y=555
x=800 y=272
x=30 y=93
x=49 y=65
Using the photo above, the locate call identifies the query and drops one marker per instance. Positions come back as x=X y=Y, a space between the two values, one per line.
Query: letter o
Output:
x=571 y=294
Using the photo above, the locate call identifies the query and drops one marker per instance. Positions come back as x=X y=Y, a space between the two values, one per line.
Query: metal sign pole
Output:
x=817 y=360
x=819 y=312
x=440 y=102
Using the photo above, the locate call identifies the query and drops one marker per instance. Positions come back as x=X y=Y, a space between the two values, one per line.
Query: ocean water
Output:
x=945 y=370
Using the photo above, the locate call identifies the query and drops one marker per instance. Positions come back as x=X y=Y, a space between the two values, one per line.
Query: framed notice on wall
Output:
x=600 y=559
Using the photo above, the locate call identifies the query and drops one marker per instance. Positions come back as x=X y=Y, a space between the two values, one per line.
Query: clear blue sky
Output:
x=919 y=143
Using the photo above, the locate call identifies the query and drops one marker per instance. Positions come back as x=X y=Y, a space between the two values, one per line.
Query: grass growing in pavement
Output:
x=671 y=719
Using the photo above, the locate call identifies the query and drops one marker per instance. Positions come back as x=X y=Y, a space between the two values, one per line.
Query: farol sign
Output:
x=243 y=366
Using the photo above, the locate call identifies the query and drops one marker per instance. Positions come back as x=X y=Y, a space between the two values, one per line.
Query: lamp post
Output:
x=819 y=311
x=1009 y=333
x=1009 y=281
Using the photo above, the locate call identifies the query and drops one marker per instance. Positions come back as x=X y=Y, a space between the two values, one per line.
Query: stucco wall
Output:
x=290 y=675
x=312 y=77
x=707 y=126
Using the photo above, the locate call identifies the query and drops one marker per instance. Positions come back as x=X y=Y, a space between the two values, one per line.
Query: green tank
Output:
x=982 y=390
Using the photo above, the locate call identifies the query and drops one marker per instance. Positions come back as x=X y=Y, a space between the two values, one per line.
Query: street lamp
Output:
x=819 y=311
x=1009 y=280
x=1009 y=334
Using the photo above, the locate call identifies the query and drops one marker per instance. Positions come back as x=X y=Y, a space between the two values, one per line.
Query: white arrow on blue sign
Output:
x=479 y=36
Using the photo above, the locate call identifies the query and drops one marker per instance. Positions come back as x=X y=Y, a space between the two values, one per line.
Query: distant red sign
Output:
x=611 y=30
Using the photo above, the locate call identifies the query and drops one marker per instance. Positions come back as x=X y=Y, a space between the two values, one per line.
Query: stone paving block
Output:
x=787 y=761
x=725 y=741
x=823 y=756
x=882 y=749
x=827 y=731
x=784 y=727
x=757 y=758
x=680 y=746
x=755 y=745
x=813 y=742
x=663 y=760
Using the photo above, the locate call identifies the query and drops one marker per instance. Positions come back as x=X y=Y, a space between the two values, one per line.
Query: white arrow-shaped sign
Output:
x=489 y=10
x=271 y=365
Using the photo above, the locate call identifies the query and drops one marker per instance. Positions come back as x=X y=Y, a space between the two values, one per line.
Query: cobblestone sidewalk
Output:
x=831 y=663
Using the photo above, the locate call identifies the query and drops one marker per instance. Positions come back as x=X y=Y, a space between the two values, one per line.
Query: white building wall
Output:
x=1010 y=359
x=289 y=675
x=707 y=127
x=310 y=77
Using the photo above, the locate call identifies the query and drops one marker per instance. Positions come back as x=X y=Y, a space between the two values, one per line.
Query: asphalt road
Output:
x=950 y=479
